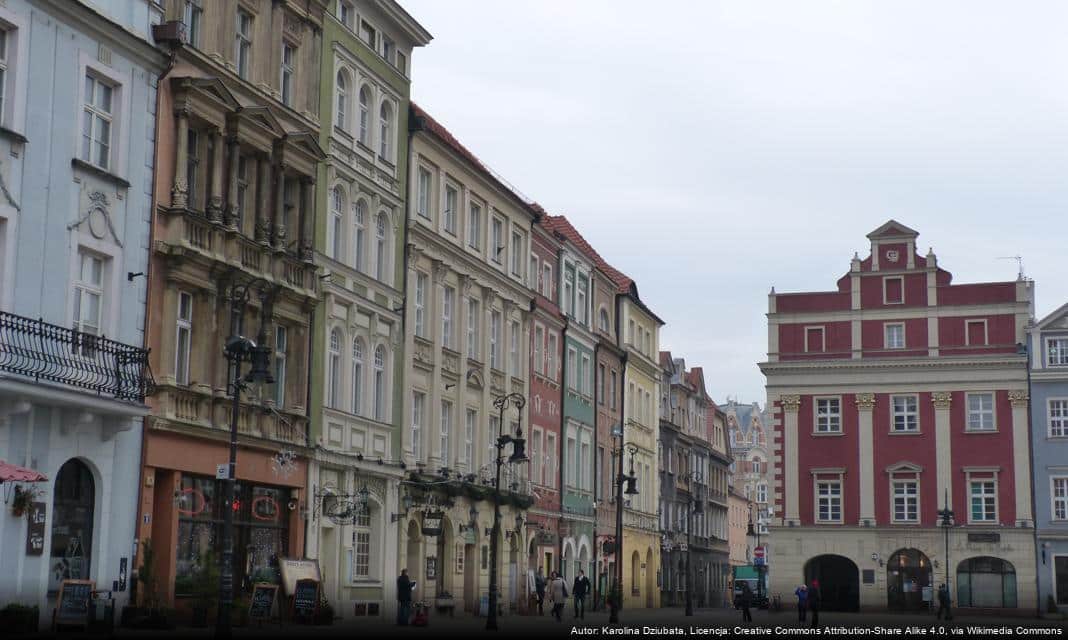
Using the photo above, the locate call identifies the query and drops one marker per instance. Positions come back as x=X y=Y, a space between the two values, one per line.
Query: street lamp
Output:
x=518 y=455
x=631 y=481
x=751 y=531
x=239 y=349
x=694 y=508
x=946 y=515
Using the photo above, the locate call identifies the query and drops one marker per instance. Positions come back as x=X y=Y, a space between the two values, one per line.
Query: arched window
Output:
x=380 y=383
x=358 y=242
x=73 y=503
x=333 y=388
x=385 y=124
x=337 y=208
x=381 y=246
x=342 y=100
x=365 y=116
x=635 y=571
x=604 y=319
x=986 y=582
x=357 y=376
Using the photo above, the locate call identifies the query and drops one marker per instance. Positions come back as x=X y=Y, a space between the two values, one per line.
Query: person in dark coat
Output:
x=802 y=602
x=814 y=603
x=745 y=600
x=539 y=589
x=579 y=590
x=404 y=598
x=944 y=602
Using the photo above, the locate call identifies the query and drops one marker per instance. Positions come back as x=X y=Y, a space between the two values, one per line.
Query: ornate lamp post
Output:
x=631 y=482
x=239 y=349
x=946 y=515
x=694 y=508
x=518 y=455
x=755 y=531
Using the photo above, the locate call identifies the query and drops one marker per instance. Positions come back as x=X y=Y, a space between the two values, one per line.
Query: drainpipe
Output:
x=562 y=443
x=1031 y=460
x=596 y=477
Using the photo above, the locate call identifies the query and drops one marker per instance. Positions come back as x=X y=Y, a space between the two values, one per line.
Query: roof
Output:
x=893 y=229
x=1050 y=320
x=423 y=121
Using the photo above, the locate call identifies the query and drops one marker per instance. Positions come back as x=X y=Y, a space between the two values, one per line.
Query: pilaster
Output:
x=790 y=406
x=943 y=400
x=865 y=408
x=1021 y=463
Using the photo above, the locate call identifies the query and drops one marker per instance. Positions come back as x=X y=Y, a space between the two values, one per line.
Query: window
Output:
x=983 y=500
x=289 y=55
x=495 y=339
x=420 y=304
x=496 y=240
x=895 y=335
x=1057 y=352
x=829 y=501
x=388 y=49
x=446 y=427
x=572 y=468
x=814 y=342
x=368 y=35
x=342 y=100
x=980 y=412
x=513 y=351
x=893 y=290
x=600 y=384
x=447 y=300
x=585 y=467
x=358 y=235
x=550 y=460
x=572 y=369
x=584 y=375
x=828 y=415
x=88 y=301
x=365 y=117
x=402 y=62
x=602 y=321
x=612 y=390
x=535 y=457
x=242 y=191
x=491 y=436
x=337 y=207
x=381 y=248
x=422 y=197
x=550 y=359
x=243 y=43
x=1060 y=497
x=975 y=332
x=192 y=16
x=599 y=473
x=1058 y=418
x=418 y=406
x=762 y=493
x=470 y=424
x=385 y=128
x=583 y=287
x=517 y=254
x=450 y=209
x=96 y=125
x=906 y=501
x=361 y=546
x=532 y=273
x=281 y=345
x=380 y=384
x=539 y=337
x=474 y=226
x=334 y=373
x=473 y=321
x=547 y=281
x=183 y=339
x=904 y=413
x=345 y=13
x=357 y=376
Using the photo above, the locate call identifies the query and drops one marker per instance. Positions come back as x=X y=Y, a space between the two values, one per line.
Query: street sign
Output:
x=222 y=471
x=760 y=556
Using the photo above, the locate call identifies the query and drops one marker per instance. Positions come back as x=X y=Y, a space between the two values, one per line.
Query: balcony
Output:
x=189 y=410
x=43 y=352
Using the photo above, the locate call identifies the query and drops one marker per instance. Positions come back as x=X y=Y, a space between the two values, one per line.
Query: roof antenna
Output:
x=1019 y=264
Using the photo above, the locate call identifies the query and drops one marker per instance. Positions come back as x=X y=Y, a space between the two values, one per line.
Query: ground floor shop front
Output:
x=901 y=570
x=641 y=568
x=708 y=573
x=1053 y=573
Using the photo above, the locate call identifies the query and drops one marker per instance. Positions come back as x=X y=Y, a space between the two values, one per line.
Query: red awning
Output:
x=14 y=473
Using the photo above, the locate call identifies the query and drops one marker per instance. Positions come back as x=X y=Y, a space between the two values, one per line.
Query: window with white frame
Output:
x=358 y=233
x=422 y=196
x=975 y=332
x=242 y=191
x=496 y=240
x=451 y=202
x=829 y=501
x=337 y=216
x=369 y=35
x=474 y=226
x=1058 y=417
x=446 y=428
x=980 y=412
x=473 y=321
x=418 y=415
x=533 y=272
x=364 y=134
x=612 y=390
x=572 y=369
x=513 y=350
x=380 y=384
x=1060 y=497
x=551 y=460
x=603 y=321
x=243 y=44
x=984 y=500
x=814 y=340
x=828 y=415
x=572 y=463
x=361 y=546
x=585 y=468
x=491 y=437
x=547 y=280
x=97 y=121
x=550 y=357
x=385 y=128
x=381 y=247
x=906 y=497
x=281 y=347
x=905 y=414
x=448 y=299
x=388 y=49
x=893 y=290
x=402 y=62
x=420 y=304
x=762 y=493
x=1057 y=352
x=183 y=337
x=345 y=13
x=88 y=301
x=517 y=254
x=539 y=337
x=894 y=334
x=583 y=288
x=601 y=384
x=342 y=101
x=568 y=306
x=192 y=17
x=288 y=70
x=357 y=376
x=536 y=462
x=470 y=426
x=495 y=339
x=334 y=371
x=584 y=375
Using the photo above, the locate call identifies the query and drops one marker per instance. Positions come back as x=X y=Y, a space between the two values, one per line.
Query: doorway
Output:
x=415 y=559
x=650 y=601
x=73 y=507
x=908 y=574
x=471 y=578
x=839 y=582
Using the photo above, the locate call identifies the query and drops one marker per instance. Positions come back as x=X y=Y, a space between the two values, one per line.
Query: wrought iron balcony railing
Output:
x=41 y=351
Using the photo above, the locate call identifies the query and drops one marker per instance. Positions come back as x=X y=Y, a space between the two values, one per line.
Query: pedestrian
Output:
x=539 y=589
x=404 y=597
x=558 y=595
x=745 y=600
x=944 y=602
x=802 y=602
x=579 y=591
x=814 y=603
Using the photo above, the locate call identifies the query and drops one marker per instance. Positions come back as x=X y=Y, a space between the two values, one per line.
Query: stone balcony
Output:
x=192 y=409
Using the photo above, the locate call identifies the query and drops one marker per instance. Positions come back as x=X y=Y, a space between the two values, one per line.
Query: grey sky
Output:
x=711 y=150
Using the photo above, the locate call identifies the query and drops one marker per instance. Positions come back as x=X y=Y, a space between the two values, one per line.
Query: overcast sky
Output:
x=712 y=150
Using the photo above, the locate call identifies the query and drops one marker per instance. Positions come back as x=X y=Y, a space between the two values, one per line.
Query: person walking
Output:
x=539 y=590
x=746 y=599
x=814 y=603
x=944 y=602
x=404 y=597
x=802 y=602
x=579 y=591
x=558 y=595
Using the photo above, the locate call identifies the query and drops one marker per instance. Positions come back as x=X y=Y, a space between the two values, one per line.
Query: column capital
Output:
x=942 y=399
x=440 y=270
x=465 y=285
x=414 y=253
x=1018 y=399
x=791 y=403
x=865 y=401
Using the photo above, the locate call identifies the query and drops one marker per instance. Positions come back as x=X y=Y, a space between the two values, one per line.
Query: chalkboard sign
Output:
x=73 y=605
x=263 y=595
x=293 y=569
x=306 y=599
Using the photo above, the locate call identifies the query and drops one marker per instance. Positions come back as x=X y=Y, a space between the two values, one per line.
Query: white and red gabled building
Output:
x=892 y=395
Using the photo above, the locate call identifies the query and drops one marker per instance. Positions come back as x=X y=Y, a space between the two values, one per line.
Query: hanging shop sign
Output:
x=35 y=532
x=432 y=523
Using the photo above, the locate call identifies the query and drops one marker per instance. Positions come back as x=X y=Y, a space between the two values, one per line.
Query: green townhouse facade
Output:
x=357 y=339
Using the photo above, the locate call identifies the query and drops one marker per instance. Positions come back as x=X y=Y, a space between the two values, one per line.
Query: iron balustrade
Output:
x=42 y=351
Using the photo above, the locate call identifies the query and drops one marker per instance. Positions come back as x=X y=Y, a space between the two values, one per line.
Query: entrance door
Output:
x=839 y=582
x=73 y=502
x=907 y=575
x=650 y=572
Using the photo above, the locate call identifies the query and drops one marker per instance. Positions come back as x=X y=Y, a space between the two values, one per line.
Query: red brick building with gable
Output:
x=893 y=396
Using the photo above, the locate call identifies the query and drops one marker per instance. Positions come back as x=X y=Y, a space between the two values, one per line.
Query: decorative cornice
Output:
x=942 y=399
x=865 y=401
